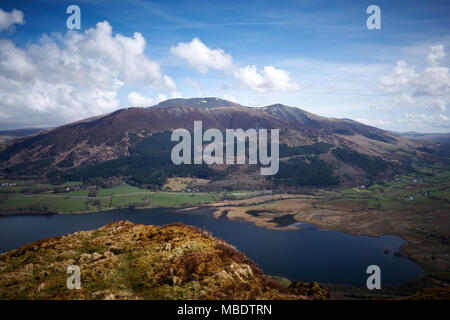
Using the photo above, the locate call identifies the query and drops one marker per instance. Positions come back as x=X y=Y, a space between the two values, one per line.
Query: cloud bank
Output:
x=67 y=77
x=137 y=100
x=202 y=58
x=268 y=79
x=429 y=88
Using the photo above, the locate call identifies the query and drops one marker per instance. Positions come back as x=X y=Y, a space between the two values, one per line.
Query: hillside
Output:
x=127 y=261
x=134 y=144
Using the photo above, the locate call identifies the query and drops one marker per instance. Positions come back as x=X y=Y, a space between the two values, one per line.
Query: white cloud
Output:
x=202 y=58
x=440 y=104
x=9 y=19
x=420 y=120
x=427 y=88
x=410 y=122
x=65 y=78
x=269 y=78
x=436 y=54
x=402 y=75
x=434 y=81
x=125 y=53
x=137 y=100
x=175 y=94
x=229 y=97
x=374 y=122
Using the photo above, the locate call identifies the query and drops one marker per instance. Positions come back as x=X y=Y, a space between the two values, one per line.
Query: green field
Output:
x=122 y=189
x=80 y=193
x=71 y=205
x=63 y=205
x=13 y=200
x=161 y=199
x=427 y=188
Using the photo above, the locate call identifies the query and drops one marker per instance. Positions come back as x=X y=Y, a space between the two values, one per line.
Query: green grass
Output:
x=21 y=182
x=67 y=205
x=445 y=195
x=385 y=205
x=242 y=191
x=12 y=189
x=125 y=201
x=161 y=199
x=389 y=195
x=83 y=193
x=349 y=191
x=73 y=184
x=73 y=205
x=122 y=189
x=394 y=195
x=57 y=204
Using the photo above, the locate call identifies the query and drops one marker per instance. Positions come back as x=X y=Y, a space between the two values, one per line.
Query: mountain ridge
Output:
x=114 y=136
x=206 y=102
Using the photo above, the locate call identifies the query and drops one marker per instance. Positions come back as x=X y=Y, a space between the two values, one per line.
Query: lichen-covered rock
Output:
x=312 y=290
x=127 y=261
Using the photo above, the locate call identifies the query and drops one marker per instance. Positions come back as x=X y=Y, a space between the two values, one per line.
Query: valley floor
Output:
x=415 y=207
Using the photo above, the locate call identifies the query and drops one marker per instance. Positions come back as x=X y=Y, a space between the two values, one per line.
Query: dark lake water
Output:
x=307 y=254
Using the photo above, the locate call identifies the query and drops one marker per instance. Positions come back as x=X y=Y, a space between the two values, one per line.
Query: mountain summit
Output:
x=210 y=102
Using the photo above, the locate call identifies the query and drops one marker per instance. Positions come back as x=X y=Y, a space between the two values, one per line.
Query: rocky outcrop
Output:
x=312 y=290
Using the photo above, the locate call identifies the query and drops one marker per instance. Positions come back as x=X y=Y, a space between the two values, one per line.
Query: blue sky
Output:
x=317 y=55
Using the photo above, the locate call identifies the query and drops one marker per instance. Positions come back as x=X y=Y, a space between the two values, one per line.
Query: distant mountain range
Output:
x=134 y=145
x=442 y=137
x=6 y=135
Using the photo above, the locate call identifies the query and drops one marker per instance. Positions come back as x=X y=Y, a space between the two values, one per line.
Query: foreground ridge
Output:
x=123 y=260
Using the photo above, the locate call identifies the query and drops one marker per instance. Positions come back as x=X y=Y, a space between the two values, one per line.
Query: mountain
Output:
x=127 y=261
x=441 y=137
x=210 y=102
x=7 y=135
x=134 y=144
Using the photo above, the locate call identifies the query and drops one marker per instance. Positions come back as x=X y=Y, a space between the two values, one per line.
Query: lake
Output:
x=306 y=254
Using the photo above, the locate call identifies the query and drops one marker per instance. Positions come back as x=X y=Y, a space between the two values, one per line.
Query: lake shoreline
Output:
x=216 y=207
x=204 y=215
